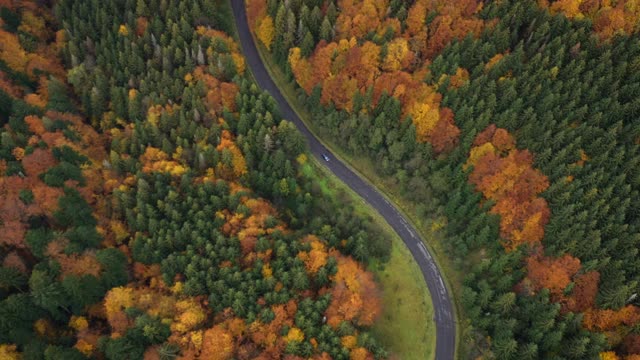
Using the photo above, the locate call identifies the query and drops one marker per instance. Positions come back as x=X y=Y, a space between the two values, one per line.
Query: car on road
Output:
x=325 y=157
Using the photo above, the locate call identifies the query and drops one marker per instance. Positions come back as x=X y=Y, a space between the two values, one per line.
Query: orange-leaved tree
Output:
x=506 y=175
x=354 y=295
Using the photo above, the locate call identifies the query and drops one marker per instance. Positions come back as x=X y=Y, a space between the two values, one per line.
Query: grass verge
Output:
x=428 y=228
x=406 y=326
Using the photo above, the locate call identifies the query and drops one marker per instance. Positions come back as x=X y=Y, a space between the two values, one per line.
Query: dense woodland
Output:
x=153 y=204
x=516 y=121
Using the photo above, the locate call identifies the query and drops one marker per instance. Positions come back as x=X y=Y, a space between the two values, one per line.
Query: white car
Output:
x=325 y=157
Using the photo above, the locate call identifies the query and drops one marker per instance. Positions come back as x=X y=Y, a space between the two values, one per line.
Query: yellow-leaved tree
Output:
x=115 y=302
x=398 y=54
x=425 y=117
x=9 y=352
x=265 y=31
x=609 y=355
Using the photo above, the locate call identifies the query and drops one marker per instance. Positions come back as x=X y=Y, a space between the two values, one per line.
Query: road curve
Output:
x=442 y=305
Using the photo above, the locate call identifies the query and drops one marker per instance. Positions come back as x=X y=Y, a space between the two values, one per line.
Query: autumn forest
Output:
x=511 y=126
x=154 y=204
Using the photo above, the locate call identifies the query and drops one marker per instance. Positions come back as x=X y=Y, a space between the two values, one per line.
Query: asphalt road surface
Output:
x=442 y=305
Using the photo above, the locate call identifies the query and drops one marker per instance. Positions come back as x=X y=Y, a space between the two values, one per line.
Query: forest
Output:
x=516 y=122
x=154 y=204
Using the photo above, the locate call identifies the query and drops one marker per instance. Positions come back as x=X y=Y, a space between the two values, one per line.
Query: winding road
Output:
x=442 y=305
